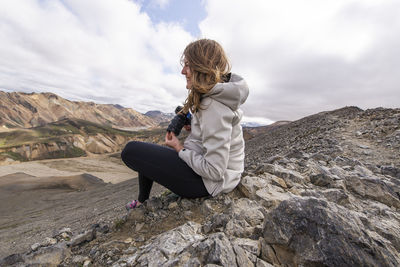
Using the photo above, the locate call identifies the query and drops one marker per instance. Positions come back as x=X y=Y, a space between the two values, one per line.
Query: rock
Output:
x=87 y=236
x=279 y=182
x=391 y=170
x=217 y=223
x=172 y=205
x=337 y=196
x=374 y=189
x=153 y=204
x=79 y=259
x=240 y=228
x=261 y=263
x=322 y=176
x=271 y=196
x=242 y=258
x=247 y=210
x=362 y=171
x=166 y=246
x=250 y=184
x=186 y=204
x=35 y=246
x=309 y=231
x=49 y=241
x=11 y=260
x=216 y=249
x=207 y=208
x=249 y=245
x=48 y=256
x=291 y=177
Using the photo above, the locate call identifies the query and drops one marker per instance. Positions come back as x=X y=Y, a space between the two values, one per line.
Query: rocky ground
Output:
x=41 y=197
x=320 y=191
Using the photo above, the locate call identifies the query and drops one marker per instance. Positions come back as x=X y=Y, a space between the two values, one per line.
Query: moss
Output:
x=70 y=152
x=119 y=223
x=14 y=156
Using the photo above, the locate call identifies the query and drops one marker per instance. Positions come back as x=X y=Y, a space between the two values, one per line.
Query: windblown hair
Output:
x=208 y=64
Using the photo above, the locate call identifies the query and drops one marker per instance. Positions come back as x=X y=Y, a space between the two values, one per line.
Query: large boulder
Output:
x=305 y=231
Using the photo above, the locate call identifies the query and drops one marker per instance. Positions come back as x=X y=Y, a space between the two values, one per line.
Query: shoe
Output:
x=132 y=205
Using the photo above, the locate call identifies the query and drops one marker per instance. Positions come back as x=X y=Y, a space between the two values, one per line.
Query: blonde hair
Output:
x=208 y=64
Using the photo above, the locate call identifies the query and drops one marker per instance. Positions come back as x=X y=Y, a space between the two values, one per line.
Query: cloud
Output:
x=299 y=57
x=92 y=50
x=302 y=57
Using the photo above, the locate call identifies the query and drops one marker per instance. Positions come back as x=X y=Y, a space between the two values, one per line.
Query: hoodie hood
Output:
x=232 y=93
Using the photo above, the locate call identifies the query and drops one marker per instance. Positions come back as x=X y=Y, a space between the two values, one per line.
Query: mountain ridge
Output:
x=26 y=110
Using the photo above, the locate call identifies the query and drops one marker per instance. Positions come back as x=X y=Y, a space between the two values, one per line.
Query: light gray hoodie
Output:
x=215 y=147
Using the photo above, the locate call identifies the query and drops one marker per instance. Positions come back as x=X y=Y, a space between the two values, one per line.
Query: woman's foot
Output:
x=132 y=205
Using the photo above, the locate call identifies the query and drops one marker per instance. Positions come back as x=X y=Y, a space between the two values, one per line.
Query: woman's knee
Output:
x=129 y=149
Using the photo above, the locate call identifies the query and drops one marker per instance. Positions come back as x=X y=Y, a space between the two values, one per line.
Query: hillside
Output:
x=320 y=191
x=37 y=109
x=68 y=138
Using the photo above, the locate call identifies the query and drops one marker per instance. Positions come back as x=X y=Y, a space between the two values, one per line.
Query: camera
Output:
x=179 y=121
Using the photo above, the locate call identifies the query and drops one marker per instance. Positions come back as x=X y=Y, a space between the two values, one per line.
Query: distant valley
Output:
x=45 y=126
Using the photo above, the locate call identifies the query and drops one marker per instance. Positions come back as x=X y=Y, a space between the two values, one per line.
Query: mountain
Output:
x=37 y=109
x=68 y=138
x=251 y=132
x=159 y=116
x=320 y=191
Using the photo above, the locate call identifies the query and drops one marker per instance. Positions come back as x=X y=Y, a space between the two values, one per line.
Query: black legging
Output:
x=163 y=165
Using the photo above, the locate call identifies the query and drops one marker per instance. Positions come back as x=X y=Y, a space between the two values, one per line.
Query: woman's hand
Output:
x=173 y=142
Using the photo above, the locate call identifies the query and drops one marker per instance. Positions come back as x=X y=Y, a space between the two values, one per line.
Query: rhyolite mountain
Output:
x=28 y=110
x=159 y=116
x=320 y=191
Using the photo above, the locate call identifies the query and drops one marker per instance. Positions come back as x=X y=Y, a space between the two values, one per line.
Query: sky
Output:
x=299 y=57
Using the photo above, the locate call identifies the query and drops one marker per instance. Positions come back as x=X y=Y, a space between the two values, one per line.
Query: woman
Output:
x=211 y=159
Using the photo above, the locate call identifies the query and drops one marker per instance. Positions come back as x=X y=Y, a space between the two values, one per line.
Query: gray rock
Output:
x=373 y=188
x=35 y=246
x=308 y=231
x=240 y=228
x=48 y=256
x=153 y=204
x=242 y=258
x=247 y=210
x=11 y=260
x=250 y=184
x=271 y=196
x=291 y=177
x=166 y=246
x=261 y=263
x=249 y=245
x=87 y=236
x=391 y=170
x=79 y=259
x=217 y=223
x=206 y=207
x=216 y=249
x=186 y=204
x=337 y=196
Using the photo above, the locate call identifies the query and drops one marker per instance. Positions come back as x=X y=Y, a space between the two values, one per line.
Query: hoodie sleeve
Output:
x=216 y=130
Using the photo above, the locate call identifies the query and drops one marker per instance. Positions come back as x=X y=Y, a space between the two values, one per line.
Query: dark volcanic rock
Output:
x=313 y=232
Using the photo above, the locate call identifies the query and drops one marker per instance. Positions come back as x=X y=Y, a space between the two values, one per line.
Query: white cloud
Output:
x=104 y=50
x=256 y=120
x=299 y=57
x=304 y=56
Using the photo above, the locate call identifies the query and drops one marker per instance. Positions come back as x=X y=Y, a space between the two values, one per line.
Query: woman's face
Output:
x=188 y=74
